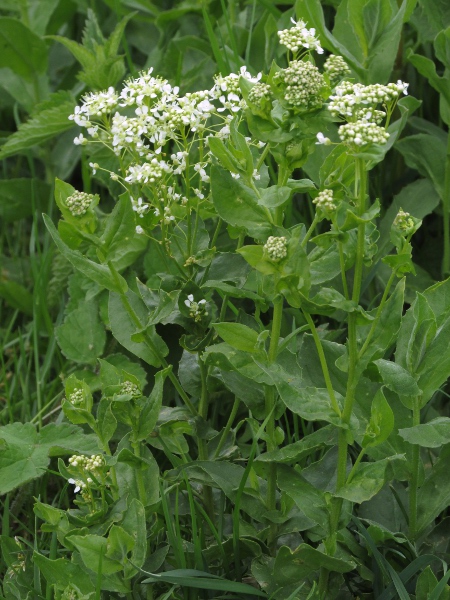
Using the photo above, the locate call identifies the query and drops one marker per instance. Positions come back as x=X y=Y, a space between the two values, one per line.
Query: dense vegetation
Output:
x=225 y=312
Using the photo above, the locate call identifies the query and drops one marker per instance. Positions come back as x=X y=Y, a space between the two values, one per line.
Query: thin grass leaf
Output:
x=203 y=581
x=218 y=55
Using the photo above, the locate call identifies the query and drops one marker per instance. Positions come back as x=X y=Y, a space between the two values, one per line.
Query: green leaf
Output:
x=16 y=197
x=62 y=572
x=368 y=480
x=134 y=523
x=40 y=13
x=48 y=120
x=98 y=273
x=381 y=422
x=397 y=379
x=238 y=336
x=310 y=500
x=93 y=550
x=426 y=153
x=433 y=434
x=427 y=68
x=151 y=407
x=26 y=452
x=123 y=327
x=21 y=50
x=433 y=496
x=293 y=453
x=82 y=336
x=120 y=244
x=238 y=205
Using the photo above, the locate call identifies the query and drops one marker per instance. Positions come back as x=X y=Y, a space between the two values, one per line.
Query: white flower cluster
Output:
x=85 y=465
x=137 y=91
x=167 y=216
x=76 y=397
x=128 y=387
x=95 y=104
x=148 y=172
x=404 y=222
x=336 y=67
x=276 y=248
x=304 y=83
x=260 y=94
x=197 y=310
x=349 y=96
x=230 y=83
x=78 y=203
x=325 y=202
x=299 y=37
x=362 y=133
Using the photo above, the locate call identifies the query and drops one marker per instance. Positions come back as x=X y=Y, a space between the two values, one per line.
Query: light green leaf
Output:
x=293 y=453
x=368 y=480
x=48 y=120
x=62 y=572
x=238 y=205
x=433 y=496
x=82 y=336
x=397 y=379
x=93 y=550
x=25 y=452
x=238 y=336
x=381 y=422
x=151 y=407
x=123 y=327
x=433 y=434
x=98 y=273
x=21 y=50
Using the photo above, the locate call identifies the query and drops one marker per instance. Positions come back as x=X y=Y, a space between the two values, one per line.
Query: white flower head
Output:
x=322 y=140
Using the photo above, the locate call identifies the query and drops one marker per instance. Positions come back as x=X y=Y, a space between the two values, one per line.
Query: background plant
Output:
x=213 y=418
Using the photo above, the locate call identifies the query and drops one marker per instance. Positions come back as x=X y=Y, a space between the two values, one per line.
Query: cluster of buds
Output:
x=404 y=223
x=299 y=37
x=76 y=397
x=84 y=467
x=276 y=248
x=362 y=133
x=336 y=67
x=79 y=202
x=197 y=310
x=260 y=95
x=304 y=84
x=131 y=389
x=326 y=202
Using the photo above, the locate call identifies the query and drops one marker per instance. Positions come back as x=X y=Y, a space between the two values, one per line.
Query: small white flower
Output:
x=189 y=301
x=321 y=139
x=76 y=484
x=94 y=167
x=80 y=140
x=139 y=229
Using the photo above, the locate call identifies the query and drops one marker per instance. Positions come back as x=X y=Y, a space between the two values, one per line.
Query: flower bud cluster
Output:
x=362 y=133
x=78 y=203
x=197 y=310
x=260 y=94
x=130 y=388
x=299 y=37
x=326 y=202
x=230 y=83
x=349 y=95
x=86 y=463
x=148 y=172
x=95 y=104
x=336 y=67
x=404 y=223
x=304 y=83
x=369 y=115
x=276 y=248
x=76 y=397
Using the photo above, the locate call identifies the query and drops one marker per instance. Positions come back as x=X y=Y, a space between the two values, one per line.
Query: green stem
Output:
x=323 y=362
x=310 y=231
x=139 y=475
x=202 y=448
x=269 y=409
x=226 y=431
x=343 y=275
x=446 y=215
x=355 y=466
x=352 y=380
x=414 y=484
x=378 y=315
x=133 y=316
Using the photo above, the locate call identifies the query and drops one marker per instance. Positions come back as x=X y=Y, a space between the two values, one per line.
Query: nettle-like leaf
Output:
x=102 y=67
x=25 y=452
x=49 y=119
